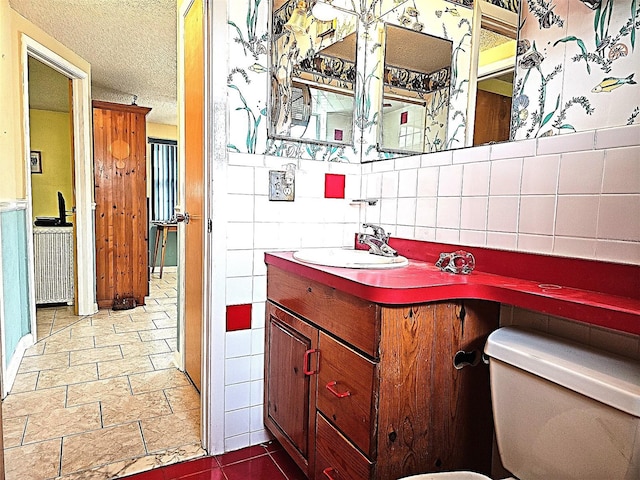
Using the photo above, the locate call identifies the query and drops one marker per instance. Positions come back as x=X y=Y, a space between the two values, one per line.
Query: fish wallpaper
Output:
x=577 y=62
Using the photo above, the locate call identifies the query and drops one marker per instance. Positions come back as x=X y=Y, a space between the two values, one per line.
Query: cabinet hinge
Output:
x=209 y=226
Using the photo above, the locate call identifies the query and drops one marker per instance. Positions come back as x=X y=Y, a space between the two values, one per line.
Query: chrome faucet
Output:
x=377 y=242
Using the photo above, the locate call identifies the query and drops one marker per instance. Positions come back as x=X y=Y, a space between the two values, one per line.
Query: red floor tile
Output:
x=241 y=455
x=215 y=474
x=287 y=465
x=178 y=470
x=260 y=468
x=156 y=474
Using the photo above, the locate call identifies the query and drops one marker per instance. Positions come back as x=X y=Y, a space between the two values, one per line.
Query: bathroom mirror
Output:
x=416 y=91
x=313 y=73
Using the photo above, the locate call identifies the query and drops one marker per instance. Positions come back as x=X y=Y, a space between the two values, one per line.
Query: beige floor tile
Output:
x=91 y=330
x=183 y=398
x=158 y=334
x=166 y=323
x=172 y=343
x=144 y=348
x=163 y=360
x=155 y=308
x=101 y=447
x=26 y=403
x=37 y=349
x=13 y=431
x=89 y=392
x=57 y=343
x=134 y=407
x=66 y=376
x=125 y=366
x=170 y=301
x=142 y=316
x=44 y=362
x=25 y=382
x=158 y=380
x=135 y=326
x=59 y=422
x=184 y=428
x=93 y=355
x=33 y=462
x=117 y=339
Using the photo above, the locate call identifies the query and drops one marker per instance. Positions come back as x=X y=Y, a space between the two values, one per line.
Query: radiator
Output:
x=53 y=261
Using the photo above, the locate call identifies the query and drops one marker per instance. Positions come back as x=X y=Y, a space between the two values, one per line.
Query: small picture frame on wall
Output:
x=36 y=161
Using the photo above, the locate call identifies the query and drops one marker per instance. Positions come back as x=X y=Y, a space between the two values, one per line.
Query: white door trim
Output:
x=83 y=172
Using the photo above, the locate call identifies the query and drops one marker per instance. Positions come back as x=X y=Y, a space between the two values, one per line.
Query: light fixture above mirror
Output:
x=324 y=11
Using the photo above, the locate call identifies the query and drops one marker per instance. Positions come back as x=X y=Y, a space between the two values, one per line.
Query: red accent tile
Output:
x=215 y=474
x=333 y=185
x=241 y=455
x=404 y=118
x=178 y=470
x=287 y=465
x=238 y=317
x=337 y=134
x=261 y=468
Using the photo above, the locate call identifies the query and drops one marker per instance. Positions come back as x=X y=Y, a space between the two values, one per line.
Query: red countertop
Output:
x=421 y=281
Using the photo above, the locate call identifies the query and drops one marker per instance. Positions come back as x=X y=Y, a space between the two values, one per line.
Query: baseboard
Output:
x=14 y=364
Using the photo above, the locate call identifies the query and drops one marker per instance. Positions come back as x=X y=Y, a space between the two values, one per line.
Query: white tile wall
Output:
x=621 y=170
x=581 y=172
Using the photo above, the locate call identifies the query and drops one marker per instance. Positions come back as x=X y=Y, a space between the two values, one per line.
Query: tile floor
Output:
x=261 y=462
x=99 y=397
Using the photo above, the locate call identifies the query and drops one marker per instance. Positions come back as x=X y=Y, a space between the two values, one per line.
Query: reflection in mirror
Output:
x=416 y=90
x=313 y=74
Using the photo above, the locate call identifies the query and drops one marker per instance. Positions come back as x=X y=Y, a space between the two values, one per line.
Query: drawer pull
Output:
x=307 y=362
x=331 y=388
x=327 y=472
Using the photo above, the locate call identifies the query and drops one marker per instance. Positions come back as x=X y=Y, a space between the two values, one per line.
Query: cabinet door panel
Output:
x=337 y=457
x=354 y=374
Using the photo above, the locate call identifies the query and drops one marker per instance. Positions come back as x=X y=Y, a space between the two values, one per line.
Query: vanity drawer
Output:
x=336 y=458
x=350 y=318
x=346 y=382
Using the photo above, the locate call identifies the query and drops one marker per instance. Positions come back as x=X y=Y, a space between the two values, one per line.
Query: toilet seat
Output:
x=451 y=476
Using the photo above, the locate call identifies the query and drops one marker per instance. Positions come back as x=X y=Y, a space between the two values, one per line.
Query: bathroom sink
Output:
x=342 y=257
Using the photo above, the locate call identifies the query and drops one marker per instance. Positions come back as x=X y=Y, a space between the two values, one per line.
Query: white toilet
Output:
x=561 y=410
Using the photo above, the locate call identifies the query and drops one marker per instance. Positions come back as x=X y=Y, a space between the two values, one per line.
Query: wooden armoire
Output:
x=119 y=147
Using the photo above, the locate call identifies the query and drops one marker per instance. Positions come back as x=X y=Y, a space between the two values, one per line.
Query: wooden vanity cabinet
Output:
x=381 y=398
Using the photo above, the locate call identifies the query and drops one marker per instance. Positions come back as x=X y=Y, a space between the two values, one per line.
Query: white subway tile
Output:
x=259 y=267
x=574 y=247
x=448 y=212
x=428 y=234
x=513 y=149
x=537 y=214
x=535 y=243
x=475 y=179
x=540 y=175
x=236 y=423
x=239 y=263
x=372 y=213
x=383 y=166
x=473 y=215
x=244 y=159
x=374 y=185
x=239 y=236
x=503 y=214
x=404 y=163
x=258 y=312
x=472 y=154
x=237 y=396
x=450 y=181
x=619 y=217
x=260 y=436
x=257 y=341
x=625 y=136
x=437 y=158
x=388 y=210
x=237 y=442
x=448 y=235
x=257 y=392
x=407 y=211
x=238 y=344
x=259 y=289
x=577 y=216
x=344 y=168
x=261 y=181
x=581 y=172
x=257 y=367
x=237 y=370
x=352 y=187
x=239 y=290
x=257 y=420
x=620 y=252
x=622 y=171
x=473 y=238
x=503 y=241
x=573 y=142
x=428 y=181
x=505 y=177
x=240 y=180
x=405 y=231
x=408 y=183
x=390 y=185
x=426 y=212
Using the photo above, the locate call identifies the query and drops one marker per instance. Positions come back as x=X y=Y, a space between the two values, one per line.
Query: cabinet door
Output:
x=290 y=387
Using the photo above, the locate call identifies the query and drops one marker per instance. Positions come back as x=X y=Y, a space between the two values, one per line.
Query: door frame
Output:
x=213 y=332
x=83 y=171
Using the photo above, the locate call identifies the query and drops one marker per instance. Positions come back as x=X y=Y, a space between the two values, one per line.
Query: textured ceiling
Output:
x=130 y=44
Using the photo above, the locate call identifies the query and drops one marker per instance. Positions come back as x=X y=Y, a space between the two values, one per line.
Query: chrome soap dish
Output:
x=457 y=262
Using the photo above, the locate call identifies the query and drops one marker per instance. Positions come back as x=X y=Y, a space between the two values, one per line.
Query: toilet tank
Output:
x=563 y=410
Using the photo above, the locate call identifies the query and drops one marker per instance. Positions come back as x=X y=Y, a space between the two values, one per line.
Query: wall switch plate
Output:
x=279 y=188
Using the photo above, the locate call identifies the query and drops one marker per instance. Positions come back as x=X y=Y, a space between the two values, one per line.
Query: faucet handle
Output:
x=378 y=231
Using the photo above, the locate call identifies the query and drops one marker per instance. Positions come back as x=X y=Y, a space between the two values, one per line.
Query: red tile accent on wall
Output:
x=238 y=317
x=333 y=185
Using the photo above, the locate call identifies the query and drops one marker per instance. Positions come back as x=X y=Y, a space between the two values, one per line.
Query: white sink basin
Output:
x=340 y=257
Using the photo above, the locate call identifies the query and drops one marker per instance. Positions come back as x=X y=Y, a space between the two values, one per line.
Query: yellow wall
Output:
x=158 y=130
x=13 y=158
x=51 y=135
